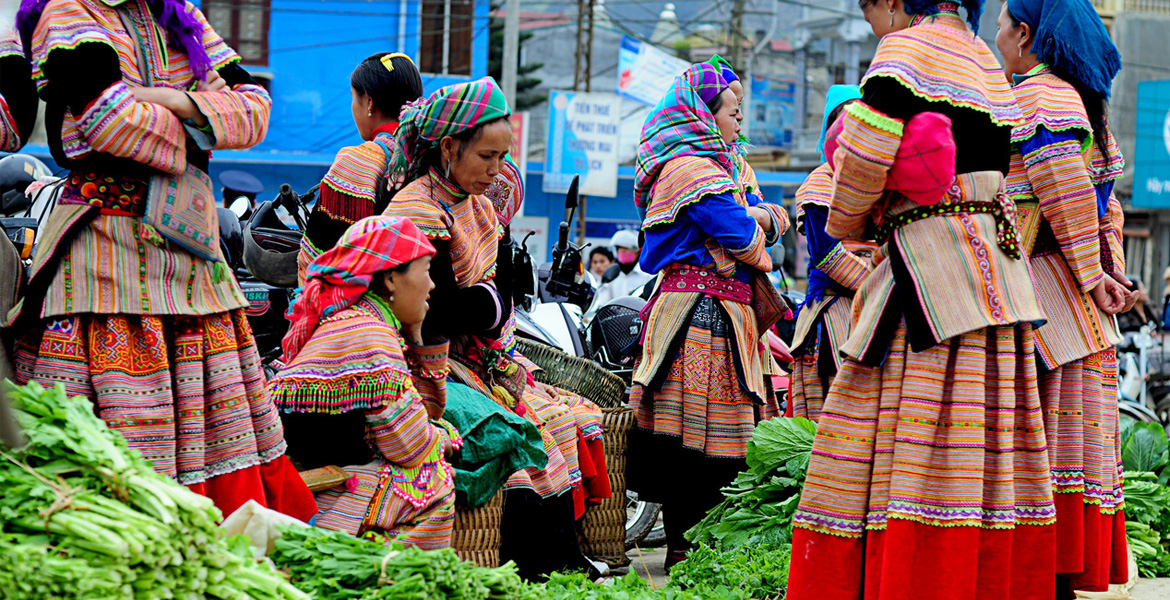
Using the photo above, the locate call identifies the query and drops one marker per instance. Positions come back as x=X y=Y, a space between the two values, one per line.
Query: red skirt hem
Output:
x=910 y=560
x=275 y=485
x=1091 y=546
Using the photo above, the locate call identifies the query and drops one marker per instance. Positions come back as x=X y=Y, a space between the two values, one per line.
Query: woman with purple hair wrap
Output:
x=138 y=93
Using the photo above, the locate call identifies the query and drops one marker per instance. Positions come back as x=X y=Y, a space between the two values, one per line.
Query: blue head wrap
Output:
x=1069 y=35
x=724 y=68
x=836 y=96
x=930 y=7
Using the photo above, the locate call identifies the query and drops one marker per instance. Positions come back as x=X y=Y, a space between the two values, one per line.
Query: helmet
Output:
x=625 y=238
x=270 y=248
x=17 y=171
x=231 y=236
x=615 y=331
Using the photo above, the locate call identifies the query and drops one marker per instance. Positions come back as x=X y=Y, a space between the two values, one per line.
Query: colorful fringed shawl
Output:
x=680 y=126
x=936 y=60
x=473 y=224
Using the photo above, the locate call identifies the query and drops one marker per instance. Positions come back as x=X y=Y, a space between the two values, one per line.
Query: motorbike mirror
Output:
x=240 y=207
x=571 y=198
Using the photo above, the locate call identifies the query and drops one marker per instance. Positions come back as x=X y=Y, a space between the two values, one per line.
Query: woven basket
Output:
x=578 y=375
x=476 y=537
x=603 y=528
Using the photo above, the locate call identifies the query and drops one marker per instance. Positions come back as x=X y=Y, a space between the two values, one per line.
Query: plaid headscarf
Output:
x=448 y=111
x=340 y=276
x=724 y=68
x=1069 y=35
x=681 y=125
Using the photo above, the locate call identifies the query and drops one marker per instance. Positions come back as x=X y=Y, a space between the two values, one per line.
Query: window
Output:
x=446 y=36
x=243 y=24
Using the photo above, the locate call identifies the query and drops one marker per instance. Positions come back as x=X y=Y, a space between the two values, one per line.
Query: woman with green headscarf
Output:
x=461 y=191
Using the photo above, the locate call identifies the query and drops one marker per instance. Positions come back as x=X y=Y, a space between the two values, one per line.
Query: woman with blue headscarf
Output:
x=837 y=269
x=1064 y=164
x=929 y=474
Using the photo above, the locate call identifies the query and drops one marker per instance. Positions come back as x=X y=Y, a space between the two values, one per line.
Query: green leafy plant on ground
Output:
x=758 y=505
x=1145 y=454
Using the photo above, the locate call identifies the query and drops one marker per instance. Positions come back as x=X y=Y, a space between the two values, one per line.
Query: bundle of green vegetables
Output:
x=1145 y=453
x=333 y=566
x=84 y=516
x=758 y=505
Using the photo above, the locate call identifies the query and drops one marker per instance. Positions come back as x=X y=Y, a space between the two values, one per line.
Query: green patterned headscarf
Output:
x=449 y=111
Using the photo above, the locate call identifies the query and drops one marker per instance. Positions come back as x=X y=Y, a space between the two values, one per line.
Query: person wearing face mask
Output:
x=361 y=389
x=929 y=474
x=1061 y=61
x=699 y=385
x=625 y=276
x=357 y=184
x=461 y=190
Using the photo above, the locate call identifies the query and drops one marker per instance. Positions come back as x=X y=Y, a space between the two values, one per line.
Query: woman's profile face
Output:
x=361 y=117
x=1010 y=42
x=885 y=16
x=411 y=289
x=728 y=117
x=482 y=157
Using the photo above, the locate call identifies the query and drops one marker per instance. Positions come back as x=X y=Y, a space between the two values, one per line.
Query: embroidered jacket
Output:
x=1070 y=221
x=951 y=266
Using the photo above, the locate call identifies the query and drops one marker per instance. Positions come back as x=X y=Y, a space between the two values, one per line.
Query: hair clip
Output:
x=387 y=61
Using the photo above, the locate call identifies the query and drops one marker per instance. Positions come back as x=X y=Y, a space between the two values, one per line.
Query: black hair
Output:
x=602 y=251
x=836 y=113
x=390 y=90
x=715 y=103
x=432 y=157
x=1096 y=106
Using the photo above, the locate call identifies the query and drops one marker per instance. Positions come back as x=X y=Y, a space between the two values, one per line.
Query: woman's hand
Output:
x=1109 y=296
x=213 y=83
x=173 y=100
x=762 y=217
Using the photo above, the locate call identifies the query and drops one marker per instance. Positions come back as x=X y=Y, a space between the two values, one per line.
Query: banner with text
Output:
x=582 y=140
x=645 y=71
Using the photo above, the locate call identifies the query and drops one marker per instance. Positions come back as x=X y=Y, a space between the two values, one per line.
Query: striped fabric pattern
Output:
x=356 y=169
x=9 y=136
x=940 y=59
x=110 y=269
x=961 y=279
x=951 y=436
x=1068 y=203
x=817 y=190
x=827 y=324
x=373 y=507
x=146 y=133
x=1050 y=102
x=682 y=181
x=560 y=423
x=1076 y=328
x=353 y=361
x=471 y=224
x=846 y=267
x=700 y=399
x=867 y=145
x=187 y=392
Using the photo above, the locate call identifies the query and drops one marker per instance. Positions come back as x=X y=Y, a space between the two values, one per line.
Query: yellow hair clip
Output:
x=387 y=61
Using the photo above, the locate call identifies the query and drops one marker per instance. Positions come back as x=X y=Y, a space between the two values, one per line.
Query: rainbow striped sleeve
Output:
x=1111 y=236
x=117 y=124
x=844 y=267
x=239 y=118
x=867 y=146
x=429 y=370
x=1056 y=169
x=401 y=432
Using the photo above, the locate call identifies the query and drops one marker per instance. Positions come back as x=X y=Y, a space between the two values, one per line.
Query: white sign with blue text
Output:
x=582 y=140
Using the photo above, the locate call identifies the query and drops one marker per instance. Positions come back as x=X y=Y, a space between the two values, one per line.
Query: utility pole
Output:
x=583 y=77
x=751 y=64
x=511 y=50
x=735 y=27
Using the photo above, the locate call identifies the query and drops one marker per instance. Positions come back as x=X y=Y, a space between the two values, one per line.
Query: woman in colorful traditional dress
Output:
x=354 y=343
x=462 y=191
x=837 y=269
x=1064 y=164
x=929 y=474
x=18 y=94
x=744 y=173
x=357 y=184
x=138 y=95
x=699 y=387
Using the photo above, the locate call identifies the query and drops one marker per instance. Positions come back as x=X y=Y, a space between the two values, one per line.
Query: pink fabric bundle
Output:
x=924 y=167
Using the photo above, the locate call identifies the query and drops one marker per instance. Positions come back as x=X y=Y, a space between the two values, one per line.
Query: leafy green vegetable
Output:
x=758 y=505
x=1145 y=453
x=84 y=516
x=1145 y=448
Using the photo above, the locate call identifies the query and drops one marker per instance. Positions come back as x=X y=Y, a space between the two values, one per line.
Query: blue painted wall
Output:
x=1151 y=160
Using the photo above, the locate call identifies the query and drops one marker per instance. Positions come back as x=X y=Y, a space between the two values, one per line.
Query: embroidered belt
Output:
x=1005 y=228
x=686 y=278
x=114 y=194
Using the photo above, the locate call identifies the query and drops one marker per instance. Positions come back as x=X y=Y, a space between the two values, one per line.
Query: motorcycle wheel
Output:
x=641 y=517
